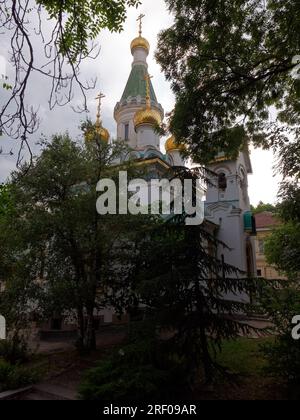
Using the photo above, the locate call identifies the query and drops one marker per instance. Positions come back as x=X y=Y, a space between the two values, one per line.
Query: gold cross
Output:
x=140 y=19
x=99 y=99
x=148 y=78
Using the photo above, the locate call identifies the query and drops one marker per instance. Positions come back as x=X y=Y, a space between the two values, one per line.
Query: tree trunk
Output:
x=207 y=362
x=90 y=335
x=81 y=334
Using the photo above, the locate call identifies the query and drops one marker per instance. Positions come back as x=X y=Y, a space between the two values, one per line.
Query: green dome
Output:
x=136 y=85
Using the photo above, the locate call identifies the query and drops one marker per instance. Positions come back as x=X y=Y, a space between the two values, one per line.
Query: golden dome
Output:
x=147 y=116
x=100 y=131
x=140 y=42
x=103 y=133
x=172 y=145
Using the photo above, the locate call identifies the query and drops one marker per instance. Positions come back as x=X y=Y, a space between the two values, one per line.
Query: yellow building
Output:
x=266 y=222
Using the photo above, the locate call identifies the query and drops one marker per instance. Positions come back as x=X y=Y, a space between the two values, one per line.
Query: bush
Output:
x=283 y=355
x=139 y=371
x=14 y=351
x=284 y=358
x=16 y=376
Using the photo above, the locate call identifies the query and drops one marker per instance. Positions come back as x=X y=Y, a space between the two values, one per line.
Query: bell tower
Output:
x=228 y=205
x=136 y=93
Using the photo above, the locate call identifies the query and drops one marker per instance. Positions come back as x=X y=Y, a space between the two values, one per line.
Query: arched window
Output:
x=222 y=181
x=126 y=132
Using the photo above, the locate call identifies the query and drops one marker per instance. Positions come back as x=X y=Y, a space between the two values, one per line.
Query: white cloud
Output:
x=263 y=184
x=7 y=165
x=2 y=67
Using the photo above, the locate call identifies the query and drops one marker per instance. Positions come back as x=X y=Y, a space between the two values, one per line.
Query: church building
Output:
x=227 y=206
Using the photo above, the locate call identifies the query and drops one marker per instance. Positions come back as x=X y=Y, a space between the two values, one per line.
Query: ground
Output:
x=63 y=367
x=245 y=361
x=63 y=370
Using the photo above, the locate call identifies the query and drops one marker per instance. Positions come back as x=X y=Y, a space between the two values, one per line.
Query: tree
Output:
x=74 y=25
x=191 y=298
x=262 y=207
x=282 y=248
x=196 y=296
x=183 y=305
x=55 y=227
x=4 y=199
x=231 y=63
x=18 y=293
x=5 y=207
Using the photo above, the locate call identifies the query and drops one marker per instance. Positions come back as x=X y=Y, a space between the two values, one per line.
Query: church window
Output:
x=222 y=181
x=126 y=132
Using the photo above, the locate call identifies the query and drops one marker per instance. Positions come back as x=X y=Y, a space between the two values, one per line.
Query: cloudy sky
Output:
x=112 y=68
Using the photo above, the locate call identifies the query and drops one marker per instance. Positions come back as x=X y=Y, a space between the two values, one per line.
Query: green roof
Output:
x=136 y=85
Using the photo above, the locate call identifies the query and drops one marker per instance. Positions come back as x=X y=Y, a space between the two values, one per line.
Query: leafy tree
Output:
x=63 y=32
x=18 y=293
x=282 y=248
x=283 y=354
x=4 y=199
x=231 y=63
x=262 y=207
x=5 y=207
x=55 y=227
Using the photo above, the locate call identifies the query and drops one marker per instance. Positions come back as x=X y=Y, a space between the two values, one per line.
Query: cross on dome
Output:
x=99 y=99
x=140 y=20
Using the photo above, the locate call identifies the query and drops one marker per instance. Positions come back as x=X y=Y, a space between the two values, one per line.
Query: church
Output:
x=227 y=206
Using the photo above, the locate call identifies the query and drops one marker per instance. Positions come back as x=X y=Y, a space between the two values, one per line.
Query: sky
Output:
x=112 y=68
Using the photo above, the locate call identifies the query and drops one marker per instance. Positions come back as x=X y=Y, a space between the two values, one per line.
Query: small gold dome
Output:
x=172 y=145
x=140 y=42
x=103 y=133
x=147 y=116
x=100 y=131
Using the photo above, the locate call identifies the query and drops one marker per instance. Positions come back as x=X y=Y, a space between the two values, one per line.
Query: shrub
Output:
x=139 y=371
x=16 y=376
x=284 y=358
x=283 y=355
x=14 y=351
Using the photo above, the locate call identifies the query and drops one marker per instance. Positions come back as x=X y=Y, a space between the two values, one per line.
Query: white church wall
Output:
x=146 y=136
x=176 y=158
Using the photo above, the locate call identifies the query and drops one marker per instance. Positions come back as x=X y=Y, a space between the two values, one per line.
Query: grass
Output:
x=245 y=361
x=243 y=356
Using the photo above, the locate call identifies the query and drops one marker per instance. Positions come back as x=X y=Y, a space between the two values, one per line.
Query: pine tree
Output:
x=188 y=294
